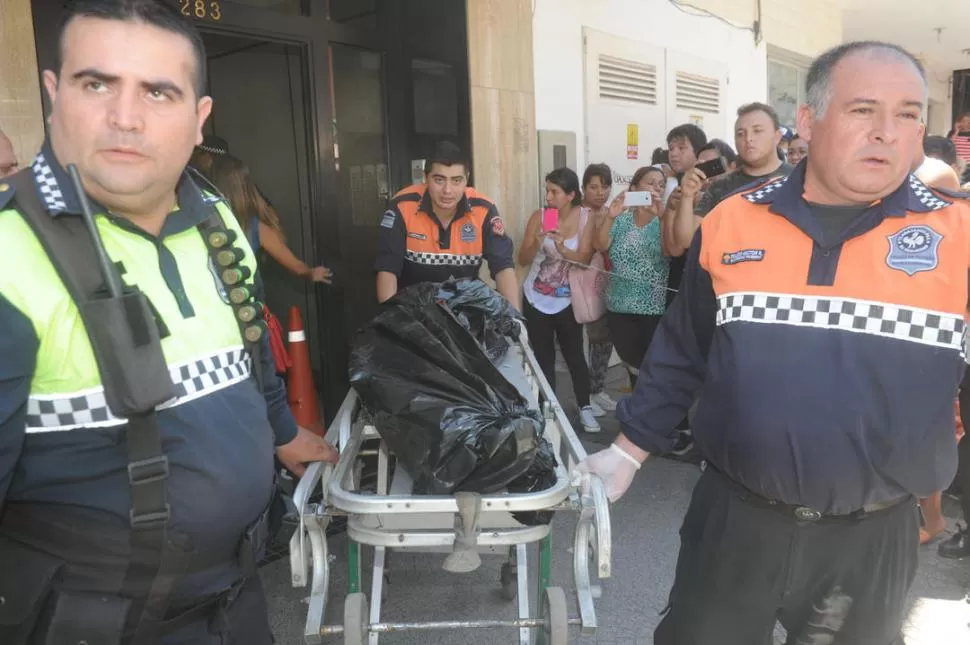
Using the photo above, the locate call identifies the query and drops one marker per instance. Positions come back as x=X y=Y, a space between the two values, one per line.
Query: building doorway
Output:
x=268 y=130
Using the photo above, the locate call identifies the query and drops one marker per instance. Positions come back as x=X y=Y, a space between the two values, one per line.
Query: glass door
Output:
x=360 y=168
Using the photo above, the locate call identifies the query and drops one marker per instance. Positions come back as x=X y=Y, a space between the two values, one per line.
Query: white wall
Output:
x=941 y=118
x=558 y=55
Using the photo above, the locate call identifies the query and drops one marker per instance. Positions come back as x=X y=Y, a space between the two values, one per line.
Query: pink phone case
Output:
x=550 y=219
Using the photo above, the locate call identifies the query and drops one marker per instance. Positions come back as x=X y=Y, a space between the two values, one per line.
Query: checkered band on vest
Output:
x=859 y=316
x=89 y=409
x=438 y=259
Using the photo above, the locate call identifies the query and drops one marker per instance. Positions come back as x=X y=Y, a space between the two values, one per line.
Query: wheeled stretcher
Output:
x=464 y=525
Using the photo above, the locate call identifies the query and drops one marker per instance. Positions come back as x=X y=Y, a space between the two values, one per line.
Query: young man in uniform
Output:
x=76 y=551
x=443 y=229
x=822 y=317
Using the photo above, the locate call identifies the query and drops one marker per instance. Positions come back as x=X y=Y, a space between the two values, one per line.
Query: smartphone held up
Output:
x=713 y=167
x=550 y=219
x=638 y=198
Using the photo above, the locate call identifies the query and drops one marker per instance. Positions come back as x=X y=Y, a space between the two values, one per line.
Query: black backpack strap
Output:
x=135 y=377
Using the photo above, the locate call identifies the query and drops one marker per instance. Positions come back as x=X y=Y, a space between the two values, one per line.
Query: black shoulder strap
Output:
x=64 y=239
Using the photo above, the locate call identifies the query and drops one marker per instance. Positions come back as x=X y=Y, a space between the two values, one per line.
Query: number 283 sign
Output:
x=202 y=9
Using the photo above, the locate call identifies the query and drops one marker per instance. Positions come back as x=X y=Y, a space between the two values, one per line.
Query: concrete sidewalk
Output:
x=645 y=542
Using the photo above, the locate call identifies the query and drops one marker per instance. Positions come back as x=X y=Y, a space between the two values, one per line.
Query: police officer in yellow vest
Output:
x=128 y=106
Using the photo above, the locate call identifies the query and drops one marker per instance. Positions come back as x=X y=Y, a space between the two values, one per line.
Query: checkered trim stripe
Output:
x=926 y=197
x=89 y=409
x=860 y=316
x=50 y=190
x=763 y=194
x=442 y=259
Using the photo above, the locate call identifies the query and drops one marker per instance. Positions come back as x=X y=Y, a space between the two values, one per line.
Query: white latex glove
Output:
x=615 y=468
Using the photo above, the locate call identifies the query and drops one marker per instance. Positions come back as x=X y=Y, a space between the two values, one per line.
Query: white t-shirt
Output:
x=547 y=285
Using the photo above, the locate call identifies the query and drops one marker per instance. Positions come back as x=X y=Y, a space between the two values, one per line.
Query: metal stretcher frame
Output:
x=371 y=521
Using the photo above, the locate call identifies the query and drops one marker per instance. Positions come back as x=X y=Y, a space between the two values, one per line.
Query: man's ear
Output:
x=804 y=122
x=203 y=109
x=50 y=84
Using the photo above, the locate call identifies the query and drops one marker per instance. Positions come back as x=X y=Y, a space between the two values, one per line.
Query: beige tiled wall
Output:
x=505 y=161
x=21 y=115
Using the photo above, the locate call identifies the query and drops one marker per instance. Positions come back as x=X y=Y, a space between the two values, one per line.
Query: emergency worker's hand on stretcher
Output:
x=614 y=466
x=305 y=447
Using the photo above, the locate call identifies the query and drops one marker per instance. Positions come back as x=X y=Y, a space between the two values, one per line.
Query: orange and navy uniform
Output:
x=415 y=246
x=826 y=371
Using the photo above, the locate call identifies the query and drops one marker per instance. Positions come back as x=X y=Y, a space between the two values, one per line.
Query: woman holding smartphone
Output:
x=631 y=237
x=556 y=236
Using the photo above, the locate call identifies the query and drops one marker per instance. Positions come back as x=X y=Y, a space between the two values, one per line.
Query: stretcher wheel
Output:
x=557 y=617
x=510 y=582
x=355 y=619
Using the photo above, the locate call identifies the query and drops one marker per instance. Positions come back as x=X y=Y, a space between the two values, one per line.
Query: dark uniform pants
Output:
x=743 y=565
x=242 y=622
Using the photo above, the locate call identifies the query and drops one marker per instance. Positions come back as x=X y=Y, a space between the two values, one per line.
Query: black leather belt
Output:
x=806 y=513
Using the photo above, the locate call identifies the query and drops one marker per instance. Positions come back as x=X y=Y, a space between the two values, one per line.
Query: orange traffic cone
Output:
x=301 y=392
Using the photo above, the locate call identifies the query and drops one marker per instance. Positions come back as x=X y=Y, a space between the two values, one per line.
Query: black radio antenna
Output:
x=111 y=278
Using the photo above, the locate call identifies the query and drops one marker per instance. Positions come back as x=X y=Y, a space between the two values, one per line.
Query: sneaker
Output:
x=602 y=401
x=957 y=546
x=588 y=419
x=597 y=410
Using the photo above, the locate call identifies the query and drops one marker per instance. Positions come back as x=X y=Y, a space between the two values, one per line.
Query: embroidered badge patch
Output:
x=388 y=220
x=747 y=255
x=468 y=232
x=914 y=249
x=498 y=226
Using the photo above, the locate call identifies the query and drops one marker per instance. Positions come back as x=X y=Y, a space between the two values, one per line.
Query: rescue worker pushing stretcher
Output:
x=443 y=229
x=820 y=321
x=139 y=408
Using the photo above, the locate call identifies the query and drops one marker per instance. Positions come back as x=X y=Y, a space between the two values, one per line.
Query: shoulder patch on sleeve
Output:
x=6 y=193
x=388 y=220
x=498 y=226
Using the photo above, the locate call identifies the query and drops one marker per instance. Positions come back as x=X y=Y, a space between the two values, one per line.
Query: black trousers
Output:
x=243 y=622
x=544 y=330
x=631 y=335
x=744 y=564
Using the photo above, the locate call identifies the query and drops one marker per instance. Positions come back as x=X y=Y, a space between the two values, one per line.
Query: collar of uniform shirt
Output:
x=53 y=181
x=460 y=209
x=787 y=200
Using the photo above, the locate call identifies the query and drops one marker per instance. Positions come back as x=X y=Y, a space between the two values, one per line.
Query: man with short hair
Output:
x=684 y=143
x=8 y=158
x=805 y=305
x=797 y=150
x=756 y=136
x=442 y=229
x=147 y=527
